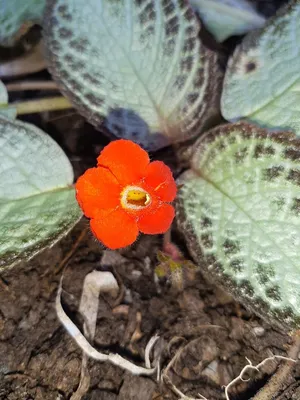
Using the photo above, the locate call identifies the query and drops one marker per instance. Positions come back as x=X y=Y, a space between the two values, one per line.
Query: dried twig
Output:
x=251 y=367
x=94 y=282
x=279 y=377
x=148 y=349
x=84 y=344
x=267 y=392
x=181 y=395
x=70 y=253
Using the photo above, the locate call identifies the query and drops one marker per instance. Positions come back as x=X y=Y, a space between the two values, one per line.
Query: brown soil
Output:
x=210 y=333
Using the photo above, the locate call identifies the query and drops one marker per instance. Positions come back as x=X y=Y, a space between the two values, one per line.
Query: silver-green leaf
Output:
x=225 y=18
x=137 y=65
x=14 y=13
x=262 y=81
x=37 y=200
x=239 y=209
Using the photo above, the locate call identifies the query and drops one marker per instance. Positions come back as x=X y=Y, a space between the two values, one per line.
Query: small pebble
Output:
x=211 y=371
x=136 y=274
x=128 y=297
x=258 y=331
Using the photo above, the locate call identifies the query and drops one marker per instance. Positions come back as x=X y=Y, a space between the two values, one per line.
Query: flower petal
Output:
x=158 y=221
x=125 y=159
x=159 y=177
x=115 y=229
x=96 y=189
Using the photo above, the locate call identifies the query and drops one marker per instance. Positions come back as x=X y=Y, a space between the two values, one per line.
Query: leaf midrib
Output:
x=155 y=106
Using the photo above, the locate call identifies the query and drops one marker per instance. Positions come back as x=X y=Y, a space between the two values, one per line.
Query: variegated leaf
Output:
x=137 y=64
x=239 y=209
x=37 y=201
x=262 y=81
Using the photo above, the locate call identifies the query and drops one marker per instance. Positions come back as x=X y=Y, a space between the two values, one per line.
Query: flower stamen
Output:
x=135 y=198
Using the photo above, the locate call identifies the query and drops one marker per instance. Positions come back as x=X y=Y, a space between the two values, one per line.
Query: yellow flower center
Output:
x=135 y=198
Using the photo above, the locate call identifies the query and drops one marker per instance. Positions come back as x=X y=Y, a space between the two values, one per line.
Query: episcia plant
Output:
x=139 y=72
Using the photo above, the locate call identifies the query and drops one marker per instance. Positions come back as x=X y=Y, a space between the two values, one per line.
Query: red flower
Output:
x=126 y=194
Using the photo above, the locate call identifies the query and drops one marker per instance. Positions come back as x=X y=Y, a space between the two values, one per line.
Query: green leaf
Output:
x=14 y=13
x=225 y=18
x=262 y=81
x=239 y=209
x=37 y=202
x=137 y=64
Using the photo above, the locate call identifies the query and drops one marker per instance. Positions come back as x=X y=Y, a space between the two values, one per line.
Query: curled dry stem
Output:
x=109 y=283
x=267 y=392
x=251 y=367
x=278 y=379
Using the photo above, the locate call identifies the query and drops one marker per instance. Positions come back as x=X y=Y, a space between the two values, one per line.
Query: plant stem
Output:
x=284 y=371
x=41 y=105
x=31 y=85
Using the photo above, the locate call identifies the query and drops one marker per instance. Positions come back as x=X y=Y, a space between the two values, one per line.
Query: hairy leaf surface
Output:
x=37 y=201
x=137 y=65
x=262 y=81
x=239 y=209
